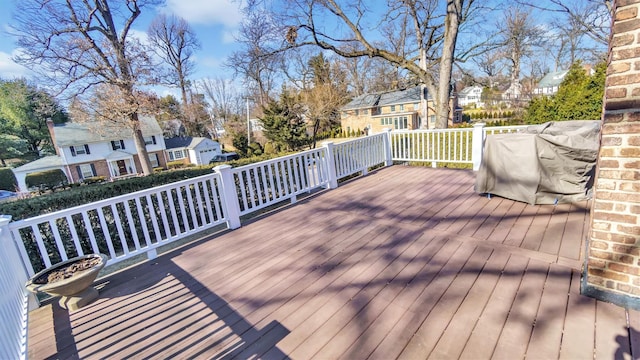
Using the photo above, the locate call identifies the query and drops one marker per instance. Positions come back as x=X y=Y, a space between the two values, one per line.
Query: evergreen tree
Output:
x=579 y=97
x=283 y=122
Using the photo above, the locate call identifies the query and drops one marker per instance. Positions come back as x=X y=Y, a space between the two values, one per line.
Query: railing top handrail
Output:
x=507 y=127
x=406 y=131
x=274 y=160
x=100 y=203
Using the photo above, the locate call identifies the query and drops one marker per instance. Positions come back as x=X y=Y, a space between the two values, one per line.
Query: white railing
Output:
x=13 y=298
x=445 y=145
x=123 y=226
x=269 y=182
x=359 y=155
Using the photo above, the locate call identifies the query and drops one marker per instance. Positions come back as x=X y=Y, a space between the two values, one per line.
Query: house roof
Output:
x=183 y=142
x=410 y=95
x=91 y=132
x=466 y=91
x=44 y=163
x=552 y=79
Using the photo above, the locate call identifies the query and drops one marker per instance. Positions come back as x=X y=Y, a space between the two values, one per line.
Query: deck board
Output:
x=407 y=262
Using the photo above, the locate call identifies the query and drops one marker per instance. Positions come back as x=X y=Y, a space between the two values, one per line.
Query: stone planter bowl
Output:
x=75 y=290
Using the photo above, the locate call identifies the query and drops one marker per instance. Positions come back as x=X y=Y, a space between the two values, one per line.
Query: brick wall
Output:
x=613 y=262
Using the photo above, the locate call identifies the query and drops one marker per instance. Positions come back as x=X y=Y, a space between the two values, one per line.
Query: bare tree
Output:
x=174 y=42
x=252 y=62
x=519 y=36
x=224 y=98
x=427 y=30
x=491 y=64
x=80 y=44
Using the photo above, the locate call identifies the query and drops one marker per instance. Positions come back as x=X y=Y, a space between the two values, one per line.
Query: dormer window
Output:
x=117 y=145
x=79 y=150
x=150 y=140
x=393 y=108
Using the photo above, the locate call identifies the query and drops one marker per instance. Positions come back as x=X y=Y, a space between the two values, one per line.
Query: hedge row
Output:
x=47 y=203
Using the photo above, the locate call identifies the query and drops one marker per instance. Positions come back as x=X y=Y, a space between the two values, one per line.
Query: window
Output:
x=80 y=150
x=357 y=112
x=86 y=171
x=401 y=107
x=117 y=145
x=148 y=140
x=400 y=123
x=153 y=160
x=393 y=108
x=176 y=154
x=365 y=111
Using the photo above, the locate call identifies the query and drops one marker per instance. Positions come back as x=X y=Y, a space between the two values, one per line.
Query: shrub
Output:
x=176 y=164
x=7 y=180
x=48 y=180
x=94 y=180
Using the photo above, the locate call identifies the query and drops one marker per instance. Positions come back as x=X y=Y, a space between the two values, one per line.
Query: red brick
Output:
x=626 y=79
x=601 y=245
x=632 y=116
x=632 y=230
x=602 y=205
x=609 y=164
x=636 y=91
x=626 y=14
x=626 y=26
x=634 y=141
x=632 y=165
x=623 y=288
x=610 y=117
x=615 y=217
x=630 y=152
x=620 y=208
x=616 y=93
x=630 y=186
x=608 y=236
x=608 y=152
x=595 y=280
x=611 y=141
x=634 y=209
x=626 y=249
x=622 y=128
x=631 y=270
x=609 y=275
x=605 y=184
x=620 y=174
x=603 y=226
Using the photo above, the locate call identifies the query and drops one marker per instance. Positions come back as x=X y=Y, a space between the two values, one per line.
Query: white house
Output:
x=85 y=150
x=470 y=95
x=550 y=83
x=192 y=150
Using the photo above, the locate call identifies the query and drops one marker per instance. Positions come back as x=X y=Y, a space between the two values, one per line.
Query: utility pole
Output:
x=248 y=125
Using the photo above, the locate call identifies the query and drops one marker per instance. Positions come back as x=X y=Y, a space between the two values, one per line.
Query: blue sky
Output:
x=214 y=21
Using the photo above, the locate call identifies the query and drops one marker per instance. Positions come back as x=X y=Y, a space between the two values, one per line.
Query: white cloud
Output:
x=9 y=69
x=207 y=12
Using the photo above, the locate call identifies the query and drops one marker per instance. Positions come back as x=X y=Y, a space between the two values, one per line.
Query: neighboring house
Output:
x=399 y=110
x=192 y=150
x=550 y=83
x=470 y=95
x=513 y=92
x=86 y=150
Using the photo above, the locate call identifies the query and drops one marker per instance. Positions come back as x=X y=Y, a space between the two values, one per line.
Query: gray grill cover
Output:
x=544 y=164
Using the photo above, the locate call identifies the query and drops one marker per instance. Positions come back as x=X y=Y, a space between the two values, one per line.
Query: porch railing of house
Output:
x=138 y=223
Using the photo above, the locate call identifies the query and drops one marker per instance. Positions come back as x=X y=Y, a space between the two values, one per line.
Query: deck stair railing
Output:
x=137 y=224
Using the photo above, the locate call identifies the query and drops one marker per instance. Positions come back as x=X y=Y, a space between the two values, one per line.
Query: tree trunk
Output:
x=452 y=22
x=141 y=148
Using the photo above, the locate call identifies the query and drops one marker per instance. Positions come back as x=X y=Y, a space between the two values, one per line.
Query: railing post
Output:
x=477 y=145
x=331 y=164
x=16 y=301
x=229 y=196
x=387 y=147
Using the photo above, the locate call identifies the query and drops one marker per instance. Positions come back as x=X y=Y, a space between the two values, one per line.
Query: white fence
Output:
x=140 y=222
x=13 y=298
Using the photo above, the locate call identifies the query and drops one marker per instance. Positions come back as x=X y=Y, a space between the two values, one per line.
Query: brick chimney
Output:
x=613 y=254
x=53 y=136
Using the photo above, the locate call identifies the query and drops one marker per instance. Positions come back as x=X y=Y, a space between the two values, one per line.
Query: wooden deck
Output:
x=406 y=263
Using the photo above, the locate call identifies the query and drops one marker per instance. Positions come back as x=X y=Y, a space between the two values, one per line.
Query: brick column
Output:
x=613 y=254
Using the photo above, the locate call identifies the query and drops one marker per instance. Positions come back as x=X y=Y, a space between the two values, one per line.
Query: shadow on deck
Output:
x=407 y=262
